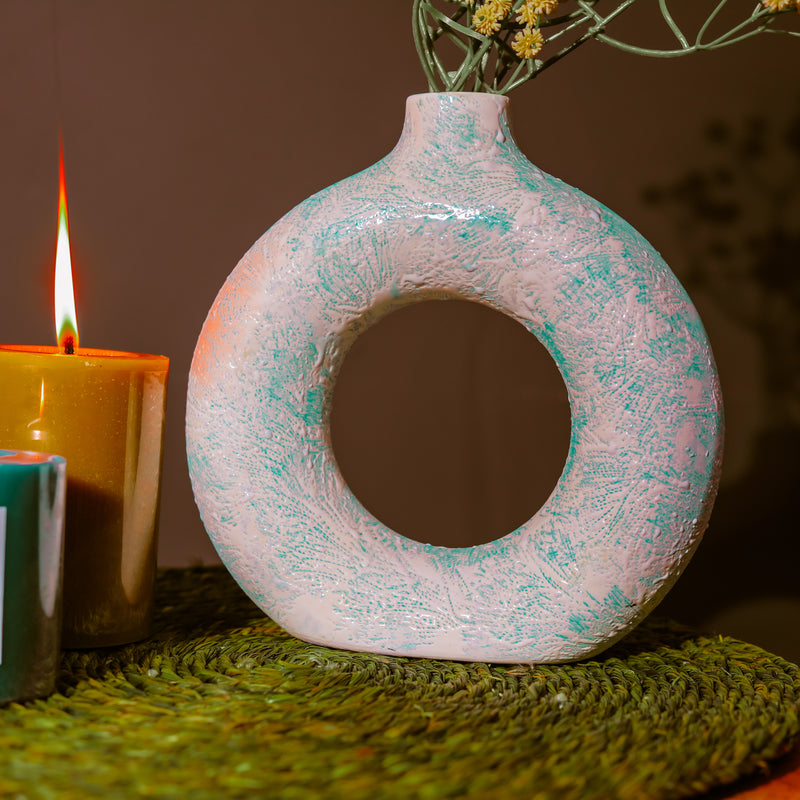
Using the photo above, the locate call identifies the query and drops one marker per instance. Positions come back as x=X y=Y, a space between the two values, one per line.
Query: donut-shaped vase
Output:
x=455 y=211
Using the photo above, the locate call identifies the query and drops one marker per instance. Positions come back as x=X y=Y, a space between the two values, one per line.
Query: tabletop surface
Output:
x=781 y=782
x=220 y=702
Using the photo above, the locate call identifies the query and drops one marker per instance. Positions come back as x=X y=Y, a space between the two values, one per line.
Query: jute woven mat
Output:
x=222 y=703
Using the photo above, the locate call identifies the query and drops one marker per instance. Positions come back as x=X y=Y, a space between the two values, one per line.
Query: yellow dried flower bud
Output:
x=530 y=11
x=486 y=19
x=503 y=6
x=528 y=42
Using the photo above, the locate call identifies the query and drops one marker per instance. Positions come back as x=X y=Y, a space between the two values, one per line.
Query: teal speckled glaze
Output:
x=456 y=210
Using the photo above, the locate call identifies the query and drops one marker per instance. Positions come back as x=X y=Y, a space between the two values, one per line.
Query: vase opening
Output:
x=450 y=422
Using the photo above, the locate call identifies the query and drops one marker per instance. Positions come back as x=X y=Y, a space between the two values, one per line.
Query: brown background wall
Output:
x=190 y=126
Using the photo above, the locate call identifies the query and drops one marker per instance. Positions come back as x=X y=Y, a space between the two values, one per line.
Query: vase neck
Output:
x=458 y=125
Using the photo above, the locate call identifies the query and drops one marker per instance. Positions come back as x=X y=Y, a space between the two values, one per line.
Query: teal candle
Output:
x=32 y=489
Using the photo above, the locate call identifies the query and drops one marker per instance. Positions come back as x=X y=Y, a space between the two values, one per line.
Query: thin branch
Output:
x=451 y=23
x=709 y=20
x=425 y=53
x=490 y=64
x=673 y=26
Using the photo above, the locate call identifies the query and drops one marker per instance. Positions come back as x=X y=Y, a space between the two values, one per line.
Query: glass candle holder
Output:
x=31 y=547
x=104 y=412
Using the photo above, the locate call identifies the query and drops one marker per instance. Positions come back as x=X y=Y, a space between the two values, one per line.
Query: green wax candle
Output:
x=32 y=490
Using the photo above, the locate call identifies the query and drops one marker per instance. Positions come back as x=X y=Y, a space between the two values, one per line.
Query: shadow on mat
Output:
x=208 y=601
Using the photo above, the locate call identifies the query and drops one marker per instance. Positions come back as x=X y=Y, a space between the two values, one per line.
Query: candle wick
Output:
x=69 y=346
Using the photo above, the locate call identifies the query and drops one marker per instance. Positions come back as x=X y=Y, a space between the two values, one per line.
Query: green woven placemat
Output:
x=222 y=703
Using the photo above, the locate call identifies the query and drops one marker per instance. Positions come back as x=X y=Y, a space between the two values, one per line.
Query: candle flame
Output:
x=66 y=319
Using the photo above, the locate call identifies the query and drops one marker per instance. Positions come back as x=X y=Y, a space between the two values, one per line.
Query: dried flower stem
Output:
x=506 y=57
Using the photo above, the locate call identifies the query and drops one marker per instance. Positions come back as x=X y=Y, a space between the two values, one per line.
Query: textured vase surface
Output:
x=456 y=211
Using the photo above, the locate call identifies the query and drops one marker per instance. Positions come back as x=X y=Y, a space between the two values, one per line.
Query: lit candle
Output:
x=103 y=411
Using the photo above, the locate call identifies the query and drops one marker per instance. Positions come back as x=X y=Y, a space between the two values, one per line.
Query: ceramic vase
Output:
x=456 y=211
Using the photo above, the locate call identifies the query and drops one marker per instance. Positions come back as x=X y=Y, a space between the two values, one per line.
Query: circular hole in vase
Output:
x=450 y=422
